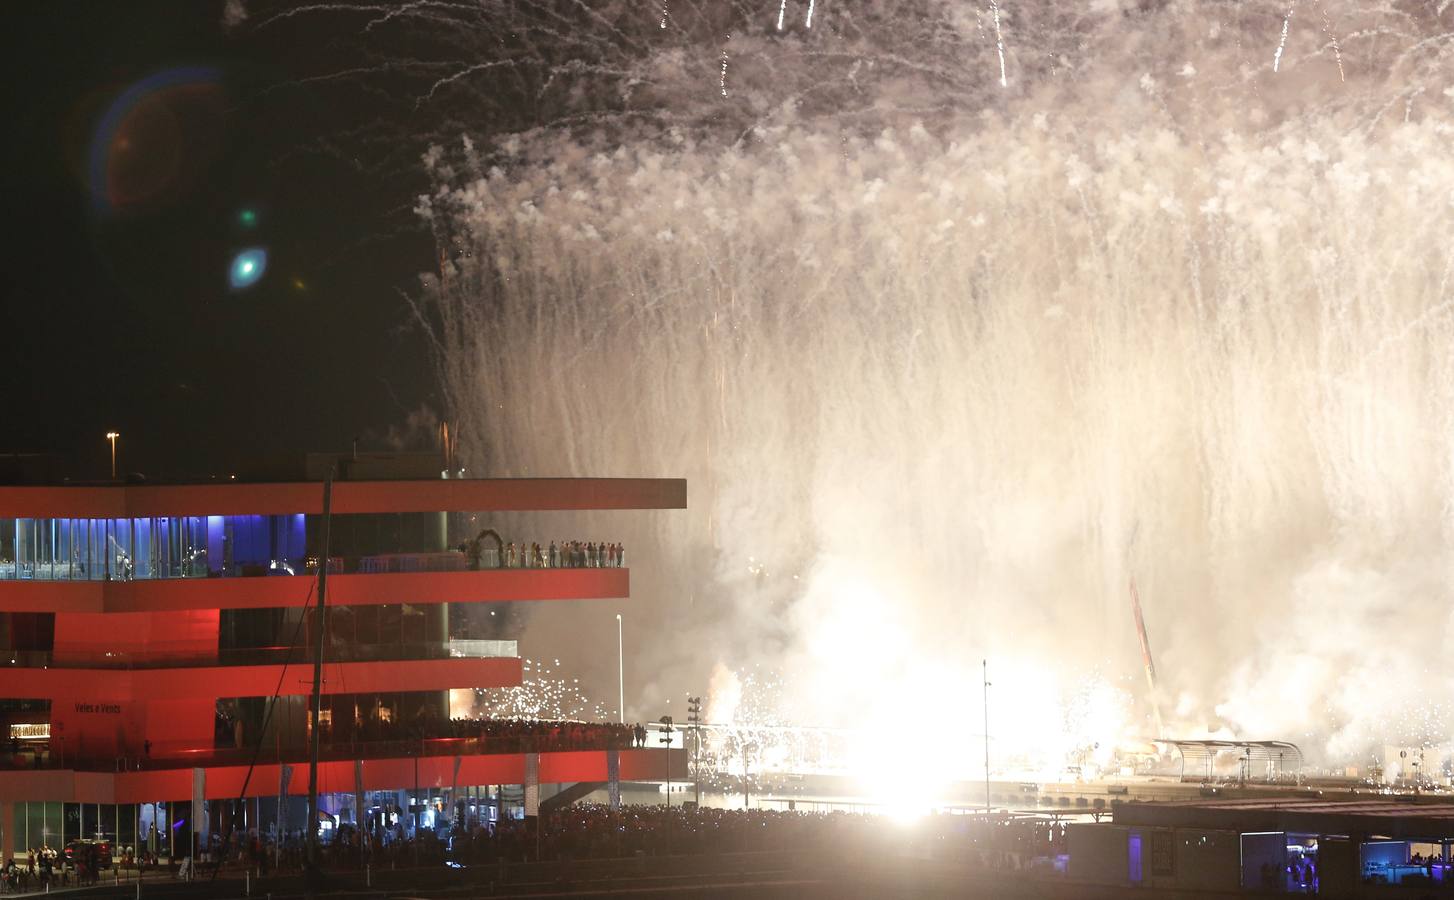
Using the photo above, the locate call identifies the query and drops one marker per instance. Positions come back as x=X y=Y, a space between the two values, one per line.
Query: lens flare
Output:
x=248 y=267
x=155 y=139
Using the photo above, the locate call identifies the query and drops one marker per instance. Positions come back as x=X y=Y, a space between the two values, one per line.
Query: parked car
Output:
x=77 y=849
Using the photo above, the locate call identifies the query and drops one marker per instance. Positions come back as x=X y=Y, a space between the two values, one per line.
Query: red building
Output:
x=156 y=653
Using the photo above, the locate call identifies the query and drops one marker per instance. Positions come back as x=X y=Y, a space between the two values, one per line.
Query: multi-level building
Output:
x=145 y=632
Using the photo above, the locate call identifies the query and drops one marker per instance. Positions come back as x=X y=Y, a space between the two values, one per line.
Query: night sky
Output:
x=118 y=313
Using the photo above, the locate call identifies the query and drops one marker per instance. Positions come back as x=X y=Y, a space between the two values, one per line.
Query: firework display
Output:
x=940 y=323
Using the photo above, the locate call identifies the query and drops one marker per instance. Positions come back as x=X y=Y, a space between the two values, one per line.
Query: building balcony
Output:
x=226 y=782
x=194 y=565
x=345 y=589
x=567 y=737
x=186 y=655
x=349 y=497
x=125 y=691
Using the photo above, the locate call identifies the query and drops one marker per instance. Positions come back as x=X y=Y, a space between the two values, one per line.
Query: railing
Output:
x=606 y=738
x=163 y=655
x=525 y=556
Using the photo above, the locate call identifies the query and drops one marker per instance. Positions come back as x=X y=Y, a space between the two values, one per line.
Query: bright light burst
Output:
x=961 y=479
x=248 y=268
x=1192 y=322
x=544 y=694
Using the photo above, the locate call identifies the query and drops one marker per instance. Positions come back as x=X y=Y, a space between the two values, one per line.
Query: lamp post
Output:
x=112 y=436
x=694 y=708
x=666 y=731
x=986 y=664
x=621 y=666
x=748 y=747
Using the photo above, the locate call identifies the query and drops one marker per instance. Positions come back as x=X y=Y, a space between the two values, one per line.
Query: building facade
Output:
x=157 y=645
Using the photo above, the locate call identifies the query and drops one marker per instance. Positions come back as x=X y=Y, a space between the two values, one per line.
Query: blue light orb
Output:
x=247 y=267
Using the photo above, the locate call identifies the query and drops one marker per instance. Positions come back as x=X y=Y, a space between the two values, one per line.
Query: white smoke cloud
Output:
x=234 y=13
x=910 y=446
x=941 y=390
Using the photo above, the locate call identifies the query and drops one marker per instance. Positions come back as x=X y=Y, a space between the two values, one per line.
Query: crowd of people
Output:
x=595 y=831
x=45 y=867
x=485 y=735
x=543 y=735
x=509 y=735
x=555 y=555
x=590 y=831
x=587 y=831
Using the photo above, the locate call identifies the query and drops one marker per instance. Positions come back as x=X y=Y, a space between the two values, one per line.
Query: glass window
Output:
x=144 y=549
x=126 y=825
x=71 y=824
x=119 y=551
x=413 y=631
x=391 y=624
x=35 y=836
x=54 y=811
x=106 y=820
x=194 y=546
x=366 y=624
x=7 y=548
x=341 y=627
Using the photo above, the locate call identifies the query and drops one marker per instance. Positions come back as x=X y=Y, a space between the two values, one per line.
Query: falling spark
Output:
x=999 y=42
x=782 y=10
x=810 y=13
x=664 y=14
x=1282 y=44
x=723 y=81
x=544 y=695
x=1337 y=51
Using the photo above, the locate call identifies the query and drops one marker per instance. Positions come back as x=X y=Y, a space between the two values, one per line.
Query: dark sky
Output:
x=117 y=311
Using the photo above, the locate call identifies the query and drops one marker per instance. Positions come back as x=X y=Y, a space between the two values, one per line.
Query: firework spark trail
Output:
x=722 y=82
x=1270 y=438
x=1303 y=492
x=544 y=694
x=1282 y=42
x=417 y=9
x=332 y=8
x=664 y=14
x=457 y=76
x=782 y=11
x=999 y=43
x=1337 y=50
x=809 y=20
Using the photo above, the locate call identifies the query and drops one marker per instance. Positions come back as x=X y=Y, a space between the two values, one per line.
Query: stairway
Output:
x=569 y=795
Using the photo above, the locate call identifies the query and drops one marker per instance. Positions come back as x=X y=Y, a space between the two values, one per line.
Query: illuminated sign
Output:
x=108 y=709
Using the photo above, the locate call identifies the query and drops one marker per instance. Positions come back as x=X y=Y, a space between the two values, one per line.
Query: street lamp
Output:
x=621 y=667
x=666 y=731
x=986 y=664
x=112 y=436
x=694 y=708
x=747 y=748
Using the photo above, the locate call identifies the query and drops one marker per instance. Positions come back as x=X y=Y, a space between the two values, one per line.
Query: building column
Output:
x=613 y=778
x=7 y=830
x=531 y=787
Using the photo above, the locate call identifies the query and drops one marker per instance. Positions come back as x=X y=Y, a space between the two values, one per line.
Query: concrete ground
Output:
x=765 y=875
